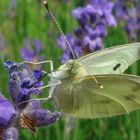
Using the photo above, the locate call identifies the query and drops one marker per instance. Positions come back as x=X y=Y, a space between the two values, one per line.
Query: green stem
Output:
x=58 y=133
x=75 y=136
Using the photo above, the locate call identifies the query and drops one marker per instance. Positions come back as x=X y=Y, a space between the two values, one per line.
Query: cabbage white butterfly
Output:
x=80 y=96
x=94 y=86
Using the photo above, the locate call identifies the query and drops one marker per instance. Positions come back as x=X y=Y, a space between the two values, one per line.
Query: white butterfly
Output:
x=79 y=94
x=94 y=86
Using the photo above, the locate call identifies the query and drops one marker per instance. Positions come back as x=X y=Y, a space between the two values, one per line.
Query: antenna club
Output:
x=57 y=24
x=101 y=86
x=46 y=4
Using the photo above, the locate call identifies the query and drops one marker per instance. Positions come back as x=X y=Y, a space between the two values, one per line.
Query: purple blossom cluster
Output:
x=21 y=114
x=93 y=20
x=31 y=50
x=128 y=12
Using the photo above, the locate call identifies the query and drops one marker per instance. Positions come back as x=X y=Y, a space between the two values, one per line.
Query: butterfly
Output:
x=94 y=86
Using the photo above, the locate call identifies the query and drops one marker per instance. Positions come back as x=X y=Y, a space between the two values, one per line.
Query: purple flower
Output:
x=5 y=116
x=22 y=81
x=21 y=114
x=10 y=133
x=128 y=12
x=106 y=8
x=93 y=44
x=76 y=47
x=37 y=74
x=93 y=21
x=37 y=44
x=43 y=117
x=31 y=51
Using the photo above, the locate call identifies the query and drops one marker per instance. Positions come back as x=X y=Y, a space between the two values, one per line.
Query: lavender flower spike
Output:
x=22 y=81
x=44 y=117
x=31 y=50
x=93 y=19
x=10 y=134
x=21 y=114
x=5 y=116
x=128 y=12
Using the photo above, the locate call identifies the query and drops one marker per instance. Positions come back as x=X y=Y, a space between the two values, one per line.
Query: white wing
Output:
x=114 y=60
x=84 y=99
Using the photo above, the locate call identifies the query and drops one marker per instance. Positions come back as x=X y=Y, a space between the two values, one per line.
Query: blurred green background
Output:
x=30 y=20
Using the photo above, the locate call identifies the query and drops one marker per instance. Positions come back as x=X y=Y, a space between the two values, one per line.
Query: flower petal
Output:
x=38 y=74
x=22 y=82
x=7 y=111
x=10 y=65
x=38 y=45
x=76 y=13
x=44 y=117
x=32 y=106
x=10 y=134
x=17 y=85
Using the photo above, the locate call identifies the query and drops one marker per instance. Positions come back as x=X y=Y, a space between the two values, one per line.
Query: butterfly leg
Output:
x=56 y=82
x=50 y=85
x=43 y=62
x=43 y=99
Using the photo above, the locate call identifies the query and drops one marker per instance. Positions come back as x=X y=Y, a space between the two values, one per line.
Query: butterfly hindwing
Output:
x=85 y=99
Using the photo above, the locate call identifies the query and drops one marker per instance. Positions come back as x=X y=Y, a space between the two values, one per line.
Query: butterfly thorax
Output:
x=72 y=69
x=69 y=74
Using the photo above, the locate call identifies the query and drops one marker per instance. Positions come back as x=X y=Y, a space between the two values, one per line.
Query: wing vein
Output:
x=117 y=101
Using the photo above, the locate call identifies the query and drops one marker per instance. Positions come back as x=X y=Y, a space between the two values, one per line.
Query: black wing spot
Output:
x=116 y=67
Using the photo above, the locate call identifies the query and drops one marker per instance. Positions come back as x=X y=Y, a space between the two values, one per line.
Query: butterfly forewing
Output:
x=114 y=60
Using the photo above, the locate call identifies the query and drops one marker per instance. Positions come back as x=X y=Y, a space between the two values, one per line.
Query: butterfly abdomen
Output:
x=64 y=95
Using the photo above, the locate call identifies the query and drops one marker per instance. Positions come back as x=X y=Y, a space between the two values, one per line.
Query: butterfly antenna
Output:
x=57 y=24
x=67 y=42
x=96 y=81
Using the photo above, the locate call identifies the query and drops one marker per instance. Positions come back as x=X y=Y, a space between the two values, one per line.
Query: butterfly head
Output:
x=70 y=66
x=69 y=69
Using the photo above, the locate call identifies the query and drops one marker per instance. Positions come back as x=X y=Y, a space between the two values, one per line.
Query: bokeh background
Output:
x=26 y=24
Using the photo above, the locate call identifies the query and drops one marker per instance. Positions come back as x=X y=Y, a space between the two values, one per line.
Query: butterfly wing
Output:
x=121 y=94
x=114 y=60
